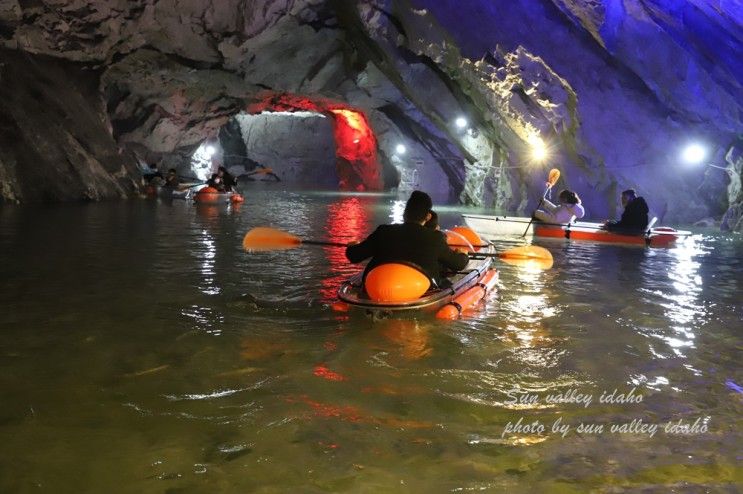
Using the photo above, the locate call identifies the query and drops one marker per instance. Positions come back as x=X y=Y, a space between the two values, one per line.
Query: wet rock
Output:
x=732 y=220
x=175 y=72
x=54 y=141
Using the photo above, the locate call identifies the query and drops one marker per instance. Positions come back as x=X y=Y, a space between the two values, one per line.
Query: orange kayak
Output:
x=657 y=237
x=210 y=195
x=496 y=226
x=468 y=287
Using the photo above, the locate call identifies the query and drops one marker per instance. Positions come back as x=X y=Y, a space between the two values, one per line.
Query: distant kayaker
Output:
x=410 y=242
x=216 y=182
x=153 y=175
x=228 y=180
x=569 y=208
x=171 y=179
x=635 y=215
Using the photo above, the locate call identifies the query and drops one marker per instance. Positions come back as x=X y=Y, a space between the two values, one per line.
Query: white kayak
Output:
x=498 y=226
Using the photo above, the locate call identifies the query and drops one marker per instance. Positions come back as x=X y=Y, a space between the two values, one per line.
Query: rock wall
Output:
x=298 y=147
x=733 y=218
x=55 y=140
x=615 y=88
x=616 y=106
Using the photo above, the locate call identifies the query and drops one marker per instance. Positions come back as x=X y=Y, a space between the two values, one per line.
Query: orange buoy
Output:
x=208 y=195
x=469 y=297
x=395 y=283
x=458 y=242
x=470 y=234
x=236 y=198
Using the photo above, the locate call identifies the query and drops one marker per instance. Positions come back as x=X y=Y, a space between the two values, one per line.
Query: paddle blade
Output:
x=530 y=256
x=553 y=177
x=263 y=238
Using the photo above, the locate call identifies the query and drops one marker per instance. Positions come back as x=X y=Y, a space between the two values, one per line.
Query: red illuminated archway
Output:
x=355 y=144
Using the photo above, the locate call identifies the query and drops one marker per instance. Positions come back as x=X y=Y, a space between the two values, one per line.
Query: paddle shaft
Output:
x=321 y=242
x=544 y=196
x=483 y=255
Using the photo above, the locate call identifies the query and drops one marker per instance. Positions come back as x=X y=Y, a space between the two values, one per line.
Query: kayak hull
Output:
x=167 y=193
x=495 y=226
x=209 y=195
x=352 y=294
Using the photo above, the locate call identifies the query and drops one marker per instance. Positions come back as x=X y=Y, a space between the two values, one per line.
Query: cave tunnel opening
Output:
x=305 y=141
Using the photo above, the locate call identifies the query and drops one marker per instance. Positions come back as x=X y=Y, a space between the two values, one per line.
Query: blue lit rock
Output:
x=616 y=88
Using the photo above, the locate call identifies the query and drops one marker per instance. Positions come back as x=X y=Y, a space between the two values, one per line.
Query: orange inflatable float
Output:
x=395 y=283
x=470 y=297
x=210 y=195
x=467 y=233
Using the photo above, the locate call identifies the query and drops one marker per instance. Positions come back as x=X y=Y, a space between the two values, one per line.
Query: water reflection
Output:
x=347 y=220
x=683 y=310
x=207 y=253
x=397 y=212
x=526 y=311
x=411 y=336
x=281 y=399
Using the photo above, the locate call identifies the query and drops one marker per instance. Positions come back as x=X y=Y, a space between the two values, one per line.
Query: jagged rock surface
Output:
x=55 y=143
x=616 y=88
x=298 y=148
x=733 y=218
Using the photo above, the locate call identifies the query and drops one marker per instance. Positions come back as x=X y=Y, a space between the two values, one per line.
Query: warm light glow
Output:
x=400 y=149
x=694 y=154
x=352 y=118
x=356 y=146
x=461 y=122
x=538 y=147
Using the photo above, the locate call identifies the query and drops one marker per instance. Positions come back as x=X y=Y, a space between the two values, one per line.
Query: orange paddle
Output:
x=262 y=238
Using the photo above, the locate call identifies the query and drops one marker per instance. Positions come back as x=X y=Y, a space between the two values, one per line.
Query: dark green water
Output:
x=130 y=361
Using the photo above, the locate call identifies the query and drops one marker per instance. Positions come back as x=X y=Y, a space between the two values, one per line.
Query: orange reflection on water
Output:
x=348 y=220
x=321 y=370
x=410 y=335
x=350 y=413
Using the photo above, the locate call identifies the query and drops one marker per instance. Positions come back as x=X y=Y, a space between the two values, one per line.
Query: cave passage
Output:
x=316 y=142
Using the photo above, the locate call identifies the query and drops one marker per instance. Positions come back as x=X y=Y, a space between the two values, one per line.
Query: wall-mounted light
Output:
x=694 y=153
x=461 y=122
x=538 y=148
x=400 y=149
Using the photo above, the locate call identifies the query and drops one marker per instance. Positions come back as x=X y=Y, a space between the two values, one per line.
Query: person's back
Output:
x=635 y=215
x=410 y=242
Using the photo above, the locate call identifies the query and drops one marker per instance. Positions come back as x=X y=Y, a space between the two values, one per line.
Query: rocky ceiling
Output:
x=615 y=88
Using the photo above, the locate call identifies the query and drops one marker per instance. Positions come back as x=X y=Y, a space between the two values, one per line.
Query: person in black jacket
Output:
x=228 y=180
x=635 y=215
x=410 y=242
x=171 y=179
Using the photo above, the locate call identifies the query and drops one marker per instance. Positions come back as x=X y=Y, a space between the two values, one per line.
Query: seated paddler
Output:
x=568 y=209
x=410 y=242
x=635 y=215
